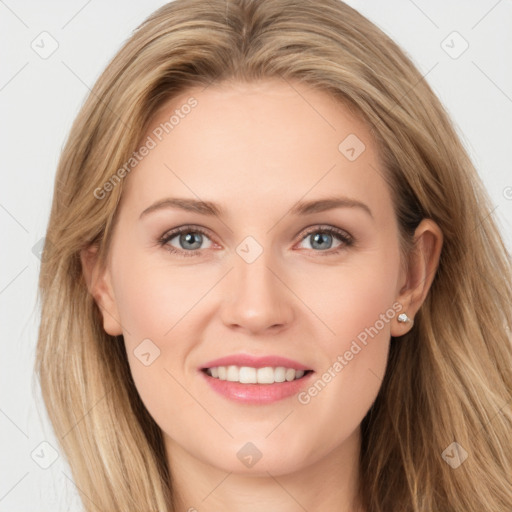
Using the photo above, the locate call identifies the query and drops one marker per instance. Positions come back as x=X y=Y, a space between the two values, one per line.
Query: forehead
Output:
x=270 y=142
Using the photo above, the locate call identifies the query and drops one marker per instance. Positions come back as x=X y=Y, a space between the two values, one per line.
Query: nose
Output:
x=256 y=299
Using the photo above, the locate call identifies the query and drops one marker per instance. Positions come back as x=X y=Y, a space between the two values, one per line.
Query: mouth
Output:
x=250 y=375
x=257 y=380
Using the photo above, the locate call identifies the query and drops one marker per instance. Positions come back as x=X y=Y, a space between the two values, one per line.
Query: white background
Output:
x=39 y=98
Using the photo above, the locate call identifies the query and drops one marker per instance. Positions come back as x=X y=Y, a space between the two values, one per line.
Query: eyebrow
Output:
x=300 y=208
x=329 y=203
x=189 y=205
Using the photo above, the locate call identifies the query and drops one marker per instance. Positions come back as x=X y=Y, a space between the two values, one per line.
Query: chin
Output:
x=257 y=456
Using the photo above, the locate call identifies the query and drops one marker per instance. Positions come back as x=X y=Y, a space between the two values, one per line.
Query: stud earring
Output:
x=403 y=318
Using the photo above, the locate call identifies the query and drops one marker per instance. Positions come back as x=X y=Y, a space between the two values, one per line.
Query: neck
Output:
x=330 y=483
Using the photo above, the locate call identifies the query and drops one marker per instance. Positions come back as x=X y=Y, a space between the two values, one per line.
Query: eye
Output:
x=322 y=238
x=190 y=240
x=185 y=240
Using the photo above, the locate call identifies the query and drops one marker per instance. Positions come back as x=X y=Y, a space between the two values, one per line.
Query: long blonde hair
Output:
x=448 y=380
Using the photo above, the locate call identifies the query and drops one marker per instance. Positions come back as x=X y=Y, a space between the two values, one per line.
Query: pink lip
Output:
x=255 y=362
x=256 y=393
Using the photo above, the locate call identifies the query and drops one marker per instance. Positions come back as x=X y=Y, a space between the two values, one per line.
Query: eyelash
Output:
x=342 y=236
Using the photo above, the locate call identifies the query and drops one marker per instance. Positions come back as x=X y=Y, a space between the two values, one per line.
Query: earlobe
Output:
x=98 y=280
x=422 y=265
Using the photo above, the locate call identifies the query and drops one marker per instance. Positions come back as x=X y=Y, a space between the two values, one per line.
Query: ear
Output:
x=98 y=280
x=422 y=264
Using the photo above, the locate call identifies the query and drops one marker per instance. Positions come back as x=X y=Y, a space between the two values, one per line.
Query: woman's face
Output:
x=288 y=258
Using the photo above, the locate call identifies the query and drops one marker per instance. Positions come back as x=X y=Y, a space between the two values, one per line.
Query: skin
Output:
x=256 y=150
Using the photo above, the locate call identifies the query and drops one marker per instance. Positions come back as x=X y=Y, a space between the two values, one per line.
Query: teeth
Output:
x=289 y=374
x=248 y=375
x=280 y=374
x=233 y=374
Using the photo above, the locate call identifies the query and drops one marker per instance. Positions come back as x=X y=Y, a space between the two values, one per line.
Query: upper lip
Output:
x=255 y=362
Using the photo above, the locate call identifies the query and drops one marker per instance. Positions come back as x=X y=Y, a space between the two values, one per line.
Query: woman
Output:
x=273 y=280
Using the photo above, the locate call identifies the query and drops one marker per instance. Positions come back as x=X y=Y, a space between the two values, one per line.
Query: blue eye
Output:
x=188 y=239
x=322 y=239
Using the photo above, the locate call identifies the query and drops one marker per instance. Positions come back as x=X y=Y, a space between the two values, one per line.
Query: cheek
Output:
x=161 y=308
x=151 y=298
x=356 y=304
x=353 y=297
x=151 y=301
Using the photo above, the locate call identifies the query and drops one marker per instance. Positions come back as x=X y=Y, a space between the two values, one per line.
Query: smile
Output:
x=250 y=375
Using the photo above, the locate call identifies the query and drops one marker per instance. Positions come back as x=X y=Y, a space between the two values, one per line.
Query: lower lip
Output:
x=257 y=393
